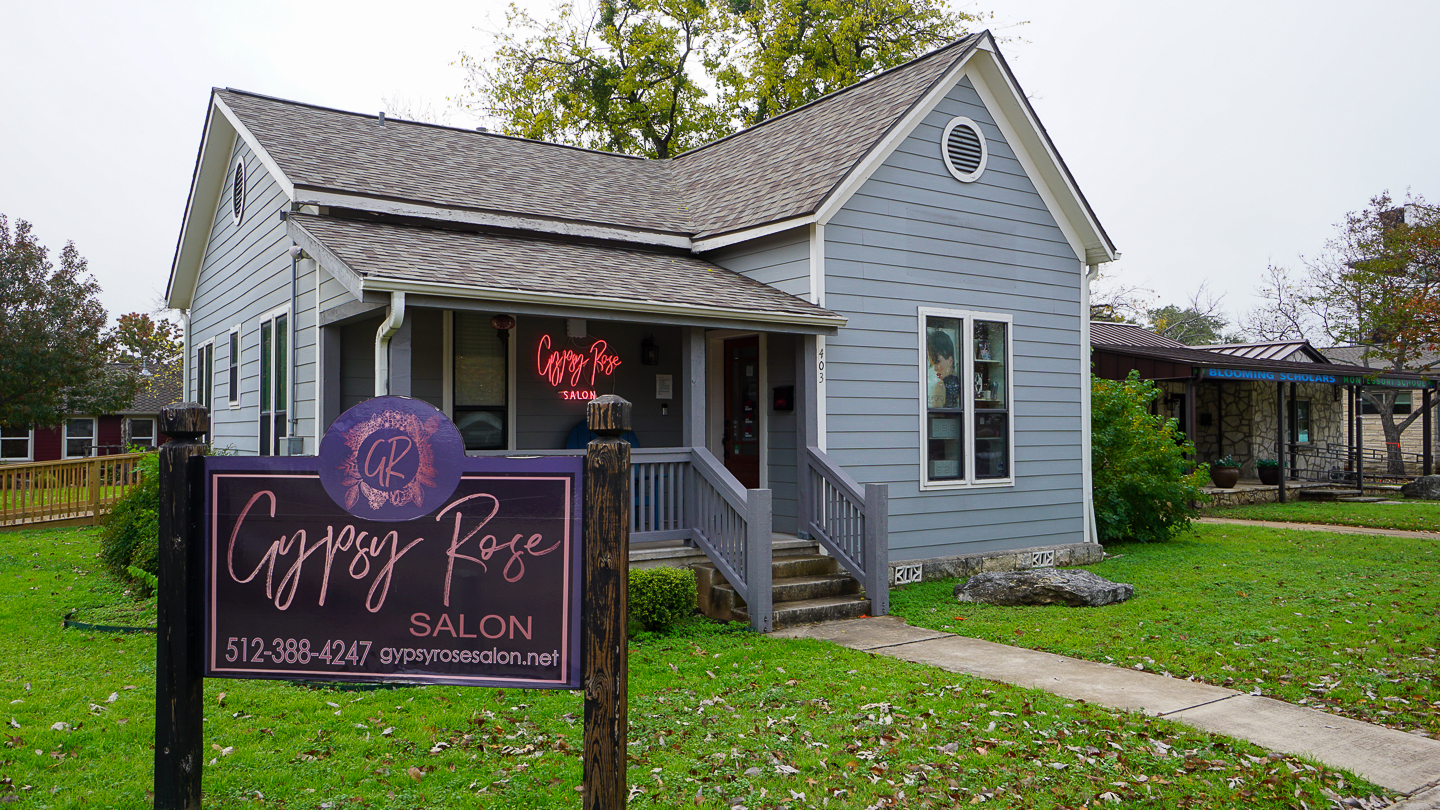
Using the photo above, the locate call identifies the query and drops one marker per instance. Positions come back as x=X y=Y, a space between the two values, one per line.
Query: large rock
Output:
x=1426 y=488
x=1045 y=586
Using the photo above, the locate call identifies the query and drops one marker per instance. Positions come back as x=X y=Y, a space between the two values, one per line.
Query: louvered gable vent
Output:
x=963 y=147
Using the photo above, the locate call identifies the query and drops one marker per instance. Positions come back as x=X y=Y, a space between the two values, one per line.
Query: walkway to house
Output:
x=1327 y=527
x=1405 y=763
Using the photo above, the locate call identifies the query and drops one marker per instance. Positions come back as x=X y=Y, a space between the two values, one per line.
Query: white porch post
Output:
x=807 y=427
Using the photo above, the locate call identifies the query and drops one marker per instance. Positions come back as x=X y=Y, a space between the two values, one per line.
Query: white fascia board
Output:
x=591 y=302
x=338 y=270
x=265 y=159
x=1049 y=174
x=892 y=140
x=736 y=237
x=217 y=142
x=309 y=196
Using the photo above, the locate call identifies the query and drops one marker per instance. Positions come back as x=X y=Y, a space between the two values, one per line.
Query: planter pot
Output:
x=1225 y=477
x=1269 y=476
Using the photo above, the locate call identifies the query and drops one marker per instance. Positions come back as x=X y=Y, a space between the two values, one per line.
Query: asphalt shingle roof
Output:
x=782 y=168
x=612 y=273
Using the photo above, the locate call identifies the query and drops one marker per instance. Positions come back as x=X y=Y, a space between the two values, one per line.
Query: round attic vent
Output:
x=237 y=191
x=964 y=149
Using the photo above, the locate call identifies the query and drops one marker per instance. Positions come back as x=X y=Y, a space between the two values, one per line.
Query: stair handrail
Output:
x=872 y=502
x=752 y=580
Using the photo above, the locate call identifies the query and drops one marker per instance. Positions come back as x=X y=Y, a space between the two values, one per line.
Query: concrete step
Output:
x=1365 y=499
x=812 y=611
x=1328 y=494
x=675 y=554
x=796 y=589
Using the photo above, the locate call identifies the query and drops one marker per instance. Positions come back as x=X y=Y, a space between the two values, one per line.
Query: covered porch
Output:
x=721 y=372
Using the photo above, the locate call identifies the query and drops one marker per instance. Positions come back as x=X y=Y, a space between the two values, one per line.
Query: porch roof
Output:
x=1224 y=367
x=558 y=273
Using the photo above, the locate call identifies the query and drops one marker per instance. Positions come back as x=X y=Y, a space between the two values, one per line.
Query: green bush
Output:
x=1143 y=487
x=660 y=597
x=130 y=534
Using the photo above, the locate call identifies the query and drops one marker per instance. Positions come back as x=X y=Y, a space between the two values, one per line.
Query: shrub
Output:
x=1267 y=462
x=130 y=534
x=1143 y=486
x=660 y=597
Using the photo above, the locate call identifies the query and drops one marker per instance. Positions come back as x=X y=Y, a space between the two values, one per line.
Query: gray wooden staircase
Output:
x=806 y=587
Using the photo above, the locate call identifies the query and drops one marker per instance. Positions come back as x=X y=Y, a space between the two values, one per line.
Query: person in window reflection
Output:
x=945 y=392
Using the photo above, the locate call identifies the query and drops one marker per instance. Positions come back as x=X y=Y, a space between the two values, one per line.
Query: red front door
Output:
x=742 y=410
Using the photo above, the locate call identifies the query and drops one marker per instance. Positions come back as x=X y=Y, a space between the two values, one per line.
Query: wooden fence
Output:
x=77 y=492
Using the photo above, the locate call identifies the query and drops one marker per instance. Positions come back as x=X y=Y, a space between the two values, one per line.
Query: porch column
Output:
x=1359 y=438
x=1427 y=463
x=692 y=386
x=807 y=429
x=1190 y=405
x=401 y=352
x=1280 y=435
x=331 y=338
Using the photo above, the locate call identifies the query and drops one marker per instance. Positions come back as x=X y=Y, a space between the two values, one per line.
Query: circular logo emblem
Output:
x=391 y=459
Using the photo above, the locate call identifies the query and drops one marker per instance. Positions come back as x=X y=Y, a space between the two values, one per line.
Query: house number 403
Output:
x=820 y=365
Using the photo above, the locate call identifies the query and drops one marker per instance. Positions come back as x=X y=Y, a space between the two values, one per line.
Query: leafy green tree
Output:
x=1143 y=486
x=143 y=340
x=53 y=339
x=1376 y=285
x=1191 y=326
x=632 y=76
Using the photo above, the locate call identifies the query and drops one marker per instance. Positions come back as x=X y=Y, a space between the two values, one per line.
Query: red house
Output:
x=85 y=435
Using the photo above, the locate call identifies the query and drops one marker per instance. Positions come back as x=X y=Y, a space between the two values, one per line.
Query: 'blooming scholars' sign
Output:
x=394 y=557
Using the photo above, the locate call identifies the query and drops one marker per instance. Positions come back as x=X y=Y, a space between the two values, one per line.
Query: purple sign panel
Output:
x=414 y=563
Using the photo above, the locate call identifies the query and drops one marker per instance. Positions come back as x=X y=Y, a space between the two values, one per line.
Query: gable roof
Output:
x=1270 y=350
x=1105 y=333
x=1356 y=355
x=792 y=169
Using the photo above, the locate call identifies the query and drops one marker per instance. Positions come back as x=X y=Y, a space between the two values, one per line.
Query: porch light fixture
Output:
x=649 y=352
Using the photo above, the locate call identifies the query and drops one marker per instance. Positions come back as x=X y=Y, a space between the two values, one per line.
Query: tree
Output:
x=144 y=341
x=1376 y=285
x=52 y=335
x=1199 y=322
x=1142 y=487
x=632 y=76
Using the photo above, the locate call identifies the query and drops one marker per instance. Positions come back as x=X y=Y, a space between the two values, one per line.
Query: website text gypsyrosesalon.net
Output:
x=479 y=588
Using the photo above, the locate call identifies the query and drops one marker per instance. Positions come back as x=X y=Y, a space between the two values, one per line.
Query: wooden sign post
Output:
x=604 y=642
x=493 y=544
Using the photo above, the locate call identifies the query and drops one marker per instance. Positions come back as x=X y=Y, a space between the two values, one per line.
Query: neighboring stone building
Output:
x=1412 y=440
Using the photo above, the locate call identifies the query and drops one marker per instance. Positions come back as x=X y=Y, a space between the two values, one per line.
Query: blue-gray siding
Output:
x=781 y=260
x=914 y=236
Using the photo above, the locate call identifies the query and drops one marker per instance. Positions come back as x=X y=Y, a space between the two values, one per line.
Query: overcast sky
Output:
x=1211 y=139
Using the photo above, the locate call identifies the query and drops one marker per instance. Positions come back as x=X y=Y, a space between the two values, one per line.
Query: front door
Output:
x=742 y=410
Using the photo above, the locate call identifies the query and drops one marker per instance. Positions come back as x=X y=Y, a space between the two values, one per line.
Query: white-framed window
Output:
x=480 y=382
x=205 y=373
x=233 y=369
x=81 y=436
x=140 y=431
x=274 y=342
x=967 y=385
x=17 y=444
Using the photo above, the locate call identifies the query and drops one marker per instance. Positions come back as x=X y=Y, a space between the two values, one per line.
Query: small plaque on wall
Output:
x=664 y=386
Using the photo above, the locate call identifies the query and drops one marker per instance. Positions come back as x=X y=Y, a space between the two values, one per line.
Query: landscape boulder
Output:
x=1046 y=586
x=1426 y=488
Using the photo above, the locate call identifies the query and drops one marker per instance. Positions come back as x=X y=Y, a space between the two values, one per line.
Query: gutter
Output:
x=388 y=328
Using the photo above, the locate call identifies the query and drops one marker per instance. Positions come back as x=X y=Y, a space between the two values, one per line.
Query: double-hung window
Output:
x=234 y=367
x=141 y=433
x=80 y=437
x=481 y=382
x=274 y=378
x=17 y=443
x=967 y=417
x=205 y=374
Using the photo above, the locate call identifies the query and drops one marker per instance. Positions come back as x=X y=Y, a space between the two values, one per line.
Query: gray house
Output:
x=861 y=323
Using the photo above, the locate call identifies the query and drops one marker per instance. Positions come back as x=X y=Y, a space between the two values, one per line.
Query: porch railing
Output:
x=687 y=494
x=79 y=491
x=851 y=522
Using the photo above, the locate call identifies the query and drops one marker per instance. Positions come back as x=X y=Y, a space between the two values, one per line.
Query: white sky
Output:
x=1211 y=139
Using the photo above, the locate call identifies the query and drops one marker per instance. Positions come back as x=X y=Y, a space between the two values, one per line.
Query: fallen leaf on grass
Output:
x=114 y=696
x=60 y=726
x=415 y=773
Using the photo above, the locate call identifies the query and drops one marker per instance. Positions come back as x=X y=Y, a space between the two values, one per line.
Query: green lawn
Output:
x=1416 y=516
x=717 y=717
x=1344 y=623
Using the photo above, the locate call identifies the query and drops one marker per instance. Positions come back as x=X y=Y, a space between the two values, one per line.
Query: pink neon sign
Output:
x=569 y=368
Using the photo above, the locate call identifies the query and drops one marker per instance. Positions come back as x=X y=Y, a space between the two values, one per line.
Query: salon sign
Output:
x=392 y=556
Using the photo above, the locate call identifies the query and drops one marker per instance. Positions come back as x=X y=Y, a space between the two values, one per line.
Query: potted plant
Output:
x=1224 y=472
x=1269 y=471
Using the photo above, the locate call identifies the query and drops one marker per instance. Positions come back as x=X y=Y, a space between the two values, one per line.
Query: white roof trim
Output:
x=562 y=227
x=338 y=269
x=985 y=71
x=264 y=156
x=736 y=237
x=590 y=302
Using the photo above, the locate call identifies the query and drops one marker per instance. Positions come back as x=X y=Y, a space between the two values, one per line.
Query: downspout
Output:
x=388 y=328
x=1087 y=474
x=319 y=358
x=294 y=321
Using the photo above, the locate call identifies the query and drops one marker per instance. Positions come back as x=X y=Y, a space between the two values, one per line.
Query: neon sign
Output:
x=570 y=369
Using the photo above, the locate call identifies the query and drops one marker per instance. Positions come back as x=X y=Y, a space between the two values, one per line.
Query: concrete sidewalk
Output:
x=1326 y=527
x=1405 y=763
